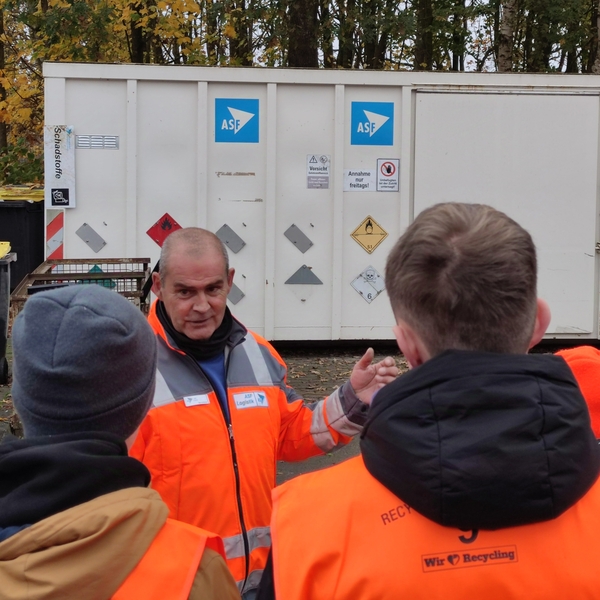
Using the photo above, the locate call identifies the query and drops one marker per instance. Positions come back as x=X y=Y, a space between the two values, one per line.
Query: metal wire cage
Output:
x=126 y=276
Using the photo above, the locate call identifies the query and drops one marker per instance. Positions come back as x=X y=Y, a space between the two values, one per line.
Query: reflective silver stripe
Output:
x=234 y=546
x=257 y=362
x=253 y=579
x=337 y=420
x=162 y=393
x=337 y=417
x=259 y=537
x=318 y=429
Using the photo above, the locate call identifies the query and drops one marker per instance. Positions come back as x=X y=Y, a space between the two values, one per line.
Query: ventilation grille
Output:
x=107 y=142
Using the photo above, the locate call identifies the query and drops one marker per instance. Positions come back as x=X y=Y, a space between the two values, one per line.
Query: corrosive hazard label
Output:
x=369 y=234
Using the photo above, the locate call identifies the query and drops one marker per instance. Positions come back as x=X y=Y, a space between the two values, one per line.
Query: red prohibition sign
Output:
x=388 y=169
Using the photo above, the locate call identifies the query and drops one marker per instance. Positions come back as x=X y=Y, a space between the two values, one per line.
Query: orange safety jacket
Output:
x=218 y=474
x=366 y=543
x=170 y=564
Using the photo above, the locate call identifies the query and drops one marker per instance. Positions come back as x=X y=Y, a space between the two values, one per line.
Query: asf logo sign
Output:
x=372 y=124
x=236 y=120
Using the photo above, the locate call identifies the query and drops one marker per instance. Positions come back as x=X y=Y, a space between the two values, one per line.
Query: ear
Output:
x=157 y=285
x=230 y=275
x=410 y=344
x=542 y=320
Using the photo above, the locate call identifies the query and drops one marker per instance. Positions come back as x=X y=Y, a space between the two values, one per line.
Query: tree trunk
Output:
x=595 y=55
x=3 y=126
x=303 y=33
x=506 y=34
x=345 y=57
x=213 y=47
x=370 y=32
x=241 y=45
x=528 y=41
x=540 y=44
x=137 y=38
x=458 y=36
x=327 y=44
x=424 y=36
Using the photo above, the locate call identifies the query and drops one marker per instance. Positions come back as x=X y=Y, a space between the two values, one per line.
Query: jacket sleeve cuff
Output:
x=355 y=409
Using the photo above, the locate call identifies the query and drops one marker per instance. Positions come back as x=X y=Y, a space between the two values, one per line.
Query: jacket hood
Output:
x=44 y=475
x=483 y=441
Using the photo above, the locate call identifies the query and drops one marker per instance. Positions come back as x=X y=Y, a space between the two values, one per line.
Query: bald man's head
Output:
x=194 y=242
x=194 y=281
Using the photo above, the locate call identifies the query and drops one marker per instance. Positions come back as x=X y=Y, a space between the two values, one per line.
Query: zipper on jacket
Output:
x=235 y=465
x=239 y=501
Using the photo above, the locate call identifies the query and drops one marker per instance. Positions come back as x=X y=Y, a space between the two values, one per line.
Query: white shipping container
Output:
x=286 y=165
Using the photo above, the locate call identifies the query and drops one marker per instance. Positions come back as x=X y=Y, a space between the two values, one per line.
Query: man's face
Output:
x=194 y=291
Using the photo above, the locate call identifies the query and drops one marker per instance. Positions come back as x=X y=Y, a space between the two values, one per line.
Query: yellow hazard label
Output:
x=369 y=234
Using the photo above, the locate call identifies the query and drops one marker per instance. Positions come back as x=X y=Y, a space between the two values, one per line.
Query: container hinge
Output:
x=597 y=247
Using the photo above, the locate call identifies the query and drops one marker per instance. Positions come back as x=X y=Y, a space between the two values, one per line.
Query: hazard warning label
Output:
x=317 y=171
x=162 y=228
x=388 y=172
x=369 y=234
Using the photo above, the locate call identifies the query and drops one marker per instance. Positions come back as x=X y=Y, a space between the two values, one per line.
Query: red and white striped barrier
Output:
x=55 y=231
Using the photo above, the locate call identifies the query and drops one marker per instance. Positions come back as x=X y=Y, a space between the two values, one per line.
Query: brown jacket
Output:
x=86 y=552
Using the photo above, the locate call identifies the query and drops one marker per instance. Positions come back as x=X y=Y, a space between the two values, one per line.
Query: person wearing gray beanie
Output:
x=77 y=518
x=84 y=360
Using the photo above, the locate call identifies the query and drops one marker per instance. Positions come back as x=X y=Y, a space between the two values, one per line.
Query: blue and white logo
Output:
x=372 y=124
x=236 y=120
x=250 y=400
x=261 y=399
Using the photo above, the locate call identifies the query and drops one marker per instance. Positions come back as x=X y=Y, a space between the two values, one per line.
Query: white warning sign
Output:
x=318 y=171
x=388 y=174
x=359 y=180
x=59 y=166
x=369 y=284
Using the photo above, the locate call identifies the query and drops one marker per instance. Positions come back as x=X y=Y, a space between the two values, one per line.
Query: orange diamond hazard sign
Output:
x=369 y=234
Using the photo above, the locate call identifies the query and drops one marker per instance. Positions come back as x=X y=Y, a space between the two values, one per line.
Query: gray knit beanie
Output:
x=84 y=360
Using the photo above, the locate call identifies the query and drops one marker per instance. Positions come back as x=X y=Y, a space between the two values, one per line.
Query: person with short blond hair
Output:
x=478 y=473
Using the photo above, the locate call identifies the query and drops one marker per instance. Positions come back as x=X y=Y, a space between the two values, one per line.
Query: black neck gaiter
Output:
x=199 y=349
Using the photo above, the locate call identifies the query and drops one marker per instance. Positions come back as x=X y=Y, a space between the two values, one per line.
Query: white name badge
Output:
x=196 y=400
x=251 y=400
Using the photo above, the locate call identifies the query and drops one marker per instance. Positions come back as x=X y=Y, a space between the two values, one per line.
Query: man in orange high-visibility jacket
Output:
x=478 y=474
x=77 y=520
x=223 y=413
